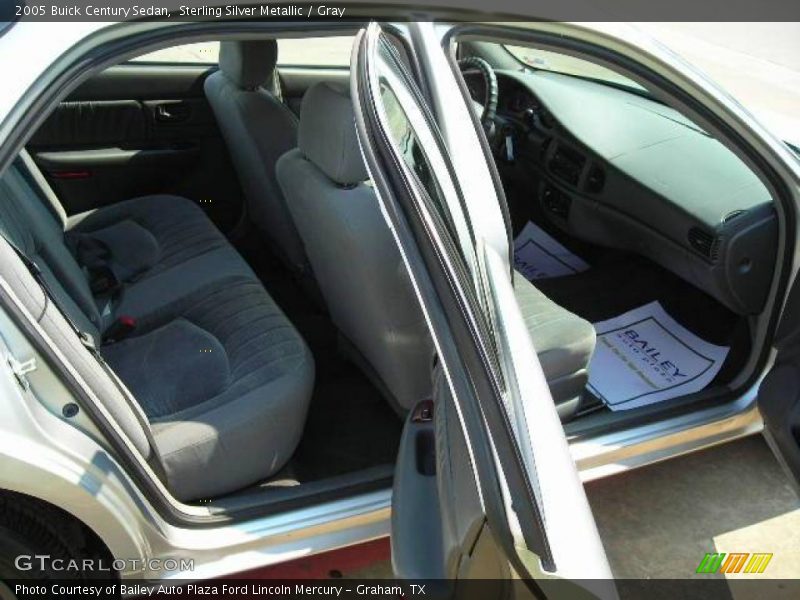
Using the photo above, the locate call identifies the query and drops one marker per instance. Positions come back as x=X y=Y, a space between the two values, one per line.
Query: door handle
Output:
x=173 y=112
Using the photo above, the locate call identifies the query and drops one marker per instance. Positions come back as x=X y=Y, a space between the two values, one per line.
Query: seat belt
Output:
x=37 y=274
x=95 y=257
x=88 y=342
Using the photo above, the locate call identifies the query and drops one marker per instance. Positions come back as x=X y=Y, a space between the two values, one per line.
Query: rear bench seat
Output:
x=221 y=374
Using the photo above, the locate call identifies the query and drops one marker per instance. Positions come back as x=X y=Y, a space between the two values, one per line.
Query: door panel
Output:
x=416 y=520
x=134 y=130
x=434 y=536
x=448 y=516
x=502 y=498
x=92 y=122
x=145 y=82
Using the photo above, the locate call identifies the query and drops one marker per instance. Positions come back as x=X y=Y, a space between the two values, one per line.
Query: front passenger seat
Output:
x=363 y=279
x=258 y=128
x=355 y=260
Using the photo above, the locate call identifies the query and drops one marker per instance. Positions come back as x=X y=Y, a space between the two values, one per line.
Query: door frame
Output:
x=450 y=296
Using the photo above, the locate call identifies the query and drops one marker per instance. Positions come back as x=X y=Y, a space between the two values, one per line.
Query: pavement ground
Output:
x=659 y=521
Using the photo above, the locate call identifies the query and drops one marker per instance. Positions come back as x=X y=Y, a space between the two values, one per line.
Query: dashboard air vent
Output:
x=545 y=145
x=703 y=242
x=595 y=180
x=567 y=164
x=546 y=120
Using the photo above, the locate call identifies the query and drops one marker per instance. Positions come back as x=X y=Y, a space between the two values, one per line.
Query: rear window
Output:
x=298 y=52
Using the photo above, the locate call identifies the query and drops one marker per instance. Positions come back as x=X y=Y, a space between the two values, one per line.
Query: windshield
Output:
x=569 y=65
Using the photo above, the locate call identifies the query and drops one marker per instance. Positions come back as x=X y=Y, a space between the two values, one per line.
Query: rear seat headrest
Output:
x=327 y=134
x=249 y=63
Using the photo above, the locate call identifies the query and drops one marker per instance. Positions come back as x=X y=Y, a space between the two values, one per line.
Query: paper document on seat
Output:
x=645 y=356
x=539 y=256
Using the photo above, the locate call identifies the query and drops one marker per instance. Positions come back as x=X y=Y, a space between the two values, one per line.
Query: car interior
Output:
x=206 y=221
x=651 y=206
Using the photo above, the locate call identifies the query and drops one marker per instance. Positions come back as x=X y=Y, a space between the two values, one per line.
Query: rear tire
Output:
x=6 y=593
x=31 y=528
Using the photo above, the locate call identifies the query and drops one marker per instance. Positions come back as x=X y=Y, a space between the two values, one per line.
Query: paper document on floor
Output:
x=539 y=256
x=645 y=356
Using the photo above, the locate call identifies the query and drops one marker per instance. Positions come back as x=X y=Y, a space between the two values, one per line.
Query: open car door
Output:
x=485 y=487
x=779 y=393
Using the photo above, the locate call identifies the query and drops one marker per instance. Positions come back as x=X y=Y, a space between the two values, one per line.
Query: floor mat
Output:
x=621 y=283
x=539 y=256
x=350 y=427
x=645 y=356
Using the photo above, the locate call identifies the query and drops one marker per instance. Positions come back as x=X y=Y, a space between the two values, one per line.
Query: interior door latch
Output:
x=423 y=412
x=173 y=112
x=21 y=370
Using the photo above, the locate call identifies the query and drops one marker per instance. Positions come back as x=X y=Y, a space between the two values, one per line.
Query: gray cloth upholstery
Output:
x=327 y=134
x=248 y=64
x=563 y=341
x=222 y=376
x=355 y=260
x=162 y=384
x=258 y=128
x=226 y=386
x=19 y=203
x=133 y=248
x=189 y=253
x=363 y=280
x=32 y=297
x=26 y=222
x=166 y=230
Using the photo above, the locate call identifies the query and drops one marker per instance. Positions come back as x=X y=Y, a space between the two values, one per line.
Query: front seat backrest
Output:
x=352 y=252
x=258 y=128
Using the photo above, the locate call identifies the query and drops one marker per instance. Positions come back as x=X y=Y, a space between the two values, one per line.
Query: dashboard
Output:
x=621 y=170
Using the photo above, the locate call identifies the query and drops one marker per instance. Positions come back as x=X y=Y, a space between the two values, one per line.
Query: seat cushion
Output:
x=257 y=128
x=177 y=253
x=219 y=370
x=226 y=387
x=179 y=230
x=221 y=374
x=563 y=341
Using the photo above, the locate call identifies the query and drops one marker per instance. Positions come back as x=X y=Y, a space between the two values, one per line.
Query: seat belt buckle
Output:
x=102 y=280
x=119 y=329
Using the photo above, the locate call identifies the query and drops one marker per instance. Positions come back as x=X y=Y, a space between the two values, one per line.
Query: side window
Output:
x=331 y=51
x=416 y=140
x=410 y=148
x=201 y=53
x=315 y=52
